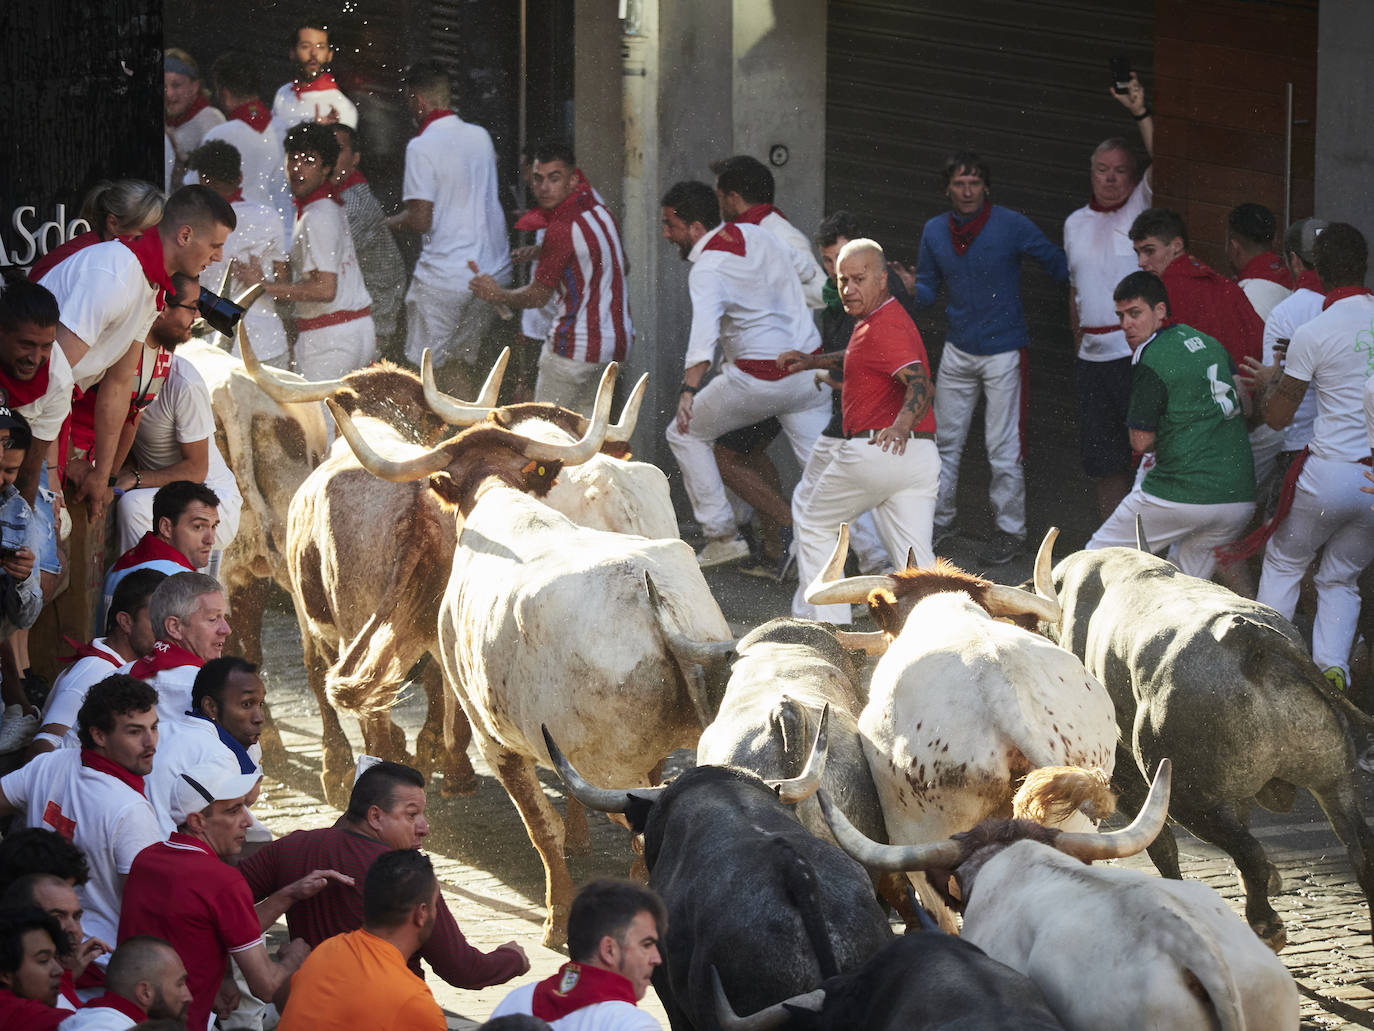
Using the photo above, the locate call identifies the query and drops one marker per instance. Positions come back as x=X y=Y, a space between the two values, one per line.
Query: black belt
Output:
x=870 y=434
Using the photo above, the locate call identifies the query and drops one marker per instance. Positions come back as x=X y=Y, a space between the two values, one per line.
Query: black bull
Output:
x=1223 y=686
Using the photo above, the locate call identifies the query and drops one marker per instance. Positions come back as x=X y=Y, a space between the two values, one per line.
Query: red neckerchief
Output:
x=322 y=81
x=86 y=650
x=58 y=255
x=576 y=985
x=117 y=1002
x=1107 y=208
x=436 y=114
x=1342 y=292
x=236 y=196
x=19 y=392
x=1267 y=266
x=254 y=114
x=1309 y=280
x=150 y=547
x=354 y=178
x=757 y=214
x=728 y=238
x=327 y=191
x=580 y=199
x=67 y=989
x=197 y=106
x=165 y=655
x=96 y=761
x=148 y=250
x=962 y=236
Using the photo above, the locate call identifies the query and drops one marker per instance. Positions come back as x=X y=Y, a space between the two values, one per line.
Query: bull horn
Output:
x=1044 y=564
x=283 y=387
x=623 y=430
x=765 y=1019
x=910 y=558
x=1012 y=601
x=877 y=856
x=601 y=799
x=684 y=648
x=1140 y=540
x=831 y=587
x=245 y=300
x=872 y=642
x=1135 y=838
x=585 y=449
x=396 y=470
x=454 y=411
x=800 y=788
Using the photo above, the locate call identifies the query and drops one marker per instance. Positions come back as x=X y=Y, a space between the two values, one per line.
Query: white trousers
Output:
x=336 y=351
x=451 y=323
x=1190 y=532
x=731 y=400
x=962 y=377
x=566 y=382
x=1331 y=514
x=134 y=510
x=842 y=480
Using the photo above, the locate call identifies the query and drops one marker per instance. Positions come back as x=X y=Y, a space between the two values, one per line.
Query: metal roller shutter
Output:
x=1024 y=83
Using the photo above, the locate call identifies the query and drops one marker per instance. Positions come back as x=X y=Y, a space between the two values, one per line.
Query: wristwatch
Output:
x=687 y=388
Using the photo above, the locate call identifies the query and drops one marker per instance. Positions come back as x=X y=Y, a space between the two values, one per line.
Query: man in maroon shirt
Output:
x=386 y=811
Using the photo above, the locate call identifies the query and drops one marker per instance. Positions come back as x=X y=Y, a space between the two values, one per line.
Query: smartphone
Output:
x=1121 y=73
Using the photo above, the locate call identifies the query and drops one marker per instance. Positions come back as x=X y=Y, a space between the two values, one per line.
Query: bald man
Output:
x=145 y=980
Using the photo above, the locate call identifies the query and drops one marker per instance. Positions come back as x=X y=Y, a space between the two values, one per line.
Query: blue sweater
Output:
x=984 y=284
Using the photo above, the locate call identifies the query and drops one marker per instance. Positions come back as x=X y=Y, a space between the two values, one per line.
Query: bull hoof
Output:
x=337 y=788
x=427 y=752
x=458 y=787
x=1271 y=932
x=639 y=872
x=555 y=930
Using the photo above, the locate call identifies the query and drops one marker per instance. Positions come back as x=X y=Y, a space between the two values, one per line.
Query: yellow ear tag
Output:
x=542 y=471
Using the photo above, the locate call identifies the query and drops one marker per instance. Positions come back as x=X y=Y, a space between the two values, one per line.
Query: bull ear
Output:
x=637 y=810
x=882 y=606
x=446 y=487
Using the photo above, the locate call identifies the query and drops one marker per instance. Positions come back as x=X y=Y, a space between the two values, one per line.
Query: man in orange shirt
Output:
x=360 y=978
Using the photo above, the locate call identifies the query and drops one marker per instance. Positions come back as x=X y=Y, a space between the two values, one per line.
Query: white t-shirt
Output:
x=1369 y=410
x=70 y=687
x=322 y=241
x=812 y=275
x=96 y=1018
x=180 y=414
x=258 y=235
x=1100 y=256
x=183 y=744
x=1334 y=355
x=1263 y=294
x=47 y=413
x=750 y=303
x=104 y=298
x=452 y=164
x=1299 y=307
x=264 y=175
x=289 y=110
x=101 y=815
x=173 y=687
x=187 y=136
x=600 y=1016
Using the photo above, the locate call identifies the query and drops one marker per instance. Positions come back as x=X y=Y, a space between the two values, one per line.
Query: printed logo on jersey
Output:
x=1364 y=341
x=1194 y=345
x=53 y=817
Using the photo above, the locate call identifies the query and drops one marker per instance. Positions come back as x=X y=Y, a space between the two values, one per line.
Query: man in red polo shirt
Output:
x=889 y=462
x=181 y=890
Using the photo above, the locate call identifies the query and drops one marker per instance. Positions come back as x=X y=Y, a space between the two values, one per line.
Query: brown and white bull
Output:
x=963 y=703
x=1108 y=946
x=545 y=621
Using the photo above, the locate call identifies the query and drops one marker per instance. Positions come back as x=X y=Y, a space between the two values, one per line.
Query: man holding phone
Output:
x=1100 y=256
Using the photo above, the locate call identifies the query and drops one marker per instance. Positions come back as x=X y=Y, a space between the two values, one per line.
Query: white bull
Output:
x=544 y=621
x=1108 y=946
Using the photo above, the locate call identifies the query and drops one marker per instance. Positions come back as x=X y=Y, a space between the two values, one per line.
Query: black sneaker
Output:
x=36 y=689
x=1001 y=548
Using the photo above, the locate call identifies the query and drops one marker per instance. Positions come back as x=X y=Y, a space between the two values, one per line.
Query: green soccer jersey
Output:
x=1182 y=390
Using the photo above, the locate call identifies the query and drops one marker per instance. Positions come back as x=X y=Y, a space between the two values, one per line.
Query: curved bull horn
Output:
x=877 y=856
x=454 y=411
x=1141 y=541
x=871 y=642
x=800 y=788
x=284 y=387
x=1043 y=578
x=831 y=587
x=629 y=413
x=396 y=470
x=589 y=445
x=1135 y=838
x=601 y=799
x=1012 y=601
x=245 y=300
x=765 y=1019
x=684 y=648
x=910 y=558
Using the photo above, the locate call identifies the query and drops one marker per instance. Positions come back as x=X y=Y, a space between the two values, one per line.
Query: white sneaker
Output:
x=16 y=729
x=720 y=550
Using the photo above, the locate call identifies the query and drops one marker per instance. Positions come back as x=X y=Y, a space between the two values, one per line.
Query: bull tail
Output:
x=789 y=718
x=1051 y=794
x=804 y=891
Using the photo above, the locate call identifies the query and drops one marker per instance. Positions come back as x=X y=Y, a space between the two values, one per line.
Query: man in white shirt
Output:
x=614 y=931
x=128 y=636
x=94 y=796
x=187 y=111
x=335 y=332
x=313 y=95
x=1100 y=256
x=451 y=199
x=746 y=297
x=1330 y=354
x=108 y=295
x=187 y=613
x=175 y=440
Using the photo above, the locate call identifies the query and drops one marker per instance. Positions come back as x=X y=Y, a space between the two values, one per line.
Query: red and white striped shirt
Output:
x=583 y=262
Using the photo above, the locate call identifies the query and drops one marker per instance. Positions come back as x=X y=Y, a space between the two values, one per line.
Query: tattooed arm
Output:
x=919 y=395
x=1280 y=399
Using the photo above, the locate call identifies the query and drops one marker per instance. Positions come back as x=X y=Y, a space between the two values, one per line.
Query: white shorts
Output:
x=567 y=382
x=451 y=323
